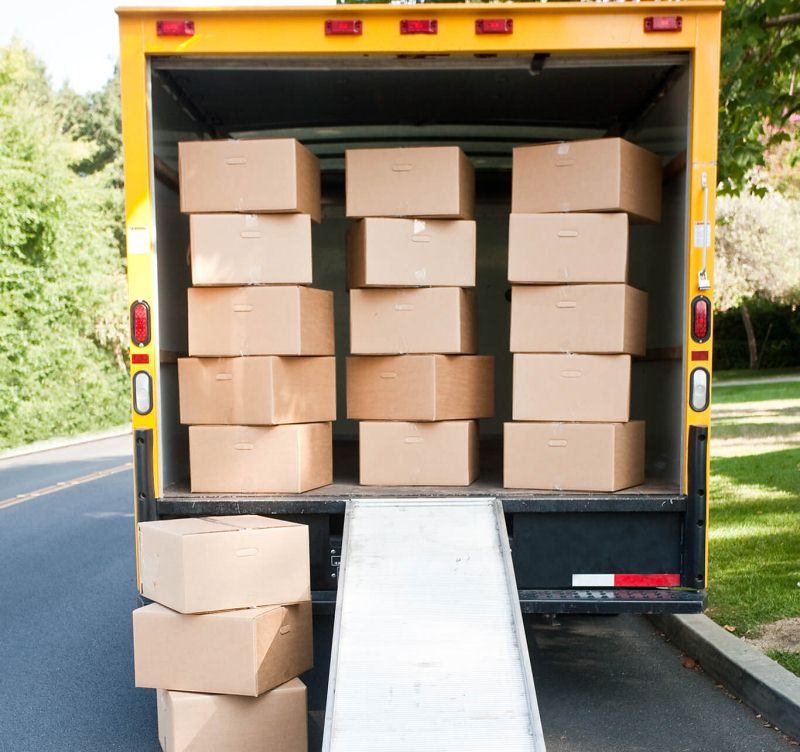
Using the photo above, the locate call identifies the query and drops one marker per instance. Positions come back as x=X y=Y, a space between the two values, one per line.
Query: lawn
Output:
x=754 y=547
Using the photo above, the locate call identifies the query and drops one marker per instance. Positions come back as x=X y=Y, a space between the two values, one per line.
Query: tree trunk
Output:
x=752 y=344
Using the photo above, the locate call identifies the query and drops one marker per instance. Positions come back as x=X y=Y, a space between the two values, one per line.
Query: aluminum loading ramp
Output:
x=429 y=650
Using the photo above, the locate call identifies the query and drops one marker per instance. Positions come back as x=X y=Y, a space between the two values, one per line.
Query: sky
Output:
x=78 y=39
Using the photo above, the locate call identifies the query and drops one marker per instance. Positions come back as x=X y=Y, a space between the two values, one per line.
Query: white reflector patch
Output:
x=142 y=392
x=698 y=393
x=592 y=580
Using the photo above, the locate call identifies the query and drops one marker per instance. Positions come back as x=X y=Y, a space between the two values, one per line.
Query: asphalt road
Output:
x=66 y=672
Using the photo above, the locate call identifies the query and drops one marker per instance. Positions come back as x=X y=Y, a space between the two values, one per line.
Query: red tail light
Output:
x=343 y=27
x=701 y=319
x=175 y=28
x=494 y=26
x=140 y=323
x=663 y=23
x=419 y=26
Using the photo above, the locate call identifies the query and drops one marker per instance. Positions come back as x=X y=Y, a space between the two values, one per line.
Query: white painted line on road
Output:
x=61 y=485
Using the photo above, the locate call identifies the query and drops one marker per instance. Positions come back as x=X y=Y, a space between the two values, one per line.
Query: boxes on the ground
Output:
x=196 y=722
x=258 y=175
x=420 y=387
x=398 y=453
x=424 y=320
x=196 y=565
x=606 y=174
x=574 y=456
x=278 y=320
x=428 y=181
x=241 y=652
x=250 y=249
x=260 y=459
x=411 y=253
x=257 y=390
x=553 y=387
x=567 y=248
x=578 y=318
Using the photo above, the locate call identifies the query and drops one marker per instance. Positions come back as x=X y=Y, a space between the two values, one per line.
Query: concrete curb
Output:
x=758 y=681
x=62 y=443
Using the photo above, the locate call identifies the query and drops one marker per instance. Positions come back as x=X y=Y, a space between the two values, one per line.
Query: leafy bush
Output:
x=63 y=317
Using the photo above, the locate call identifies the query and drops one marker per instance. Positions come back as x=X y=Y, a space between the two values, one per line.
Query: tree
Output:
x=757 y=255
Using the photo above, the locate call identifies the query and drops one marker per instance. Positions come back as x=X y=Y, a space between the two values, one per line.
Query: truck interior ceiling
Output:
x=487 y=104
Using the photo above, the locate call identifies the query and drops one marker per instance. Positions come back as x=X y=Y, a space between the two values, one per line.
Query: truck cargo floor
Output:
x=429 y=651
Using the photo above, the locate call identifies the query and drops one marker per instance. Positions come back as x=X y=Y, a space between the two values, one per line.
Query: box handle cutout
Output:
x=404 y=307
x=242 y=308
x=566 y=304
x=285 y=629
x=235 y=161
x=565 y=163
x=567 y=233
x=241 y=552
x=401 y=167
x=556 y=443
x=414 y=440
x=420 y=238
x=244 y=447
x=571 y=374
x=224 y=376
x=389 y=375
x=247 y=234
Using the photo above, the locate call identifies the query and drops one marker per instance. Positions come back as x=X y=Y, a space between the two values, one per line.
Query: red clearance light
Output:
x=494 y=26
x=140 y=359
x=419 y=26
x=140 y=323
x=663 y=23
x=701 y=319
x=175 y=28
x=343 y=27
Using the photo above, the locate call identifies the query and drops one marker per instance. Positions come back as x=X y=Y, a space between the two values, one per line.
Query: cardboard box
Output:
x=242 y=652
x=426 y=181
x=250 y=249
x=411 y=253
x=426 y=320
x=567 y=248
x=195 y=722
x=260 y=459
x=254 y=175
x=418 y=454
x=201 y=564
x=604 y=174
x=257 y=390
x=578 y=319
x=281 y=320
x=593 y=388
x=573 y=456
x=420 y=387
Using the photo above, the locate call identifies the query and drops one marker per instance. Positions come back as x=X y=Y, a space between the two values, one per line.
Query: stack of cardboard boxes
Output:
x=575 y=322
x=259 y=388
x=229 y=632
x=414 y=380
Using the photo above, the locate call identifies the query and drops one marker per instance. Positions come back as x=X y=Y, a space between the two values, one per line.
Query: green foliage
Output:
x=63 y=319
x=787 y=659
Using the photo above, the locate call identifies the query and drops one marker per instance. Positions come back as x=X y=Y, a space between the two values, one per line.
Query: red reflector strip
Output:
x=626 y=580
x=419 y=26
x=343 y=27
x=700 y=355
x=140 y=359
x=663 y=23
x=494 y=26
x=175 y=28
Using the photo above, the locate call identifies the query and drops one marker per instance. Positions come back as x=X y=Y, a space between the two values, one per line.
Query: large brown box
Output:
x=398 y=453
x=260 y=459
x=201 y=564
x=605 y=174
x=425 y=181
x=254 y=175
x=257 y=390
x=411 y=253
x=573 y=456
x=595 y=388
x=568 y=248
x=425 y=320
x=250 y=249
x=241 y=652
x=420 y=387
x=197 y=722
x=279 y=320
x=578 y=319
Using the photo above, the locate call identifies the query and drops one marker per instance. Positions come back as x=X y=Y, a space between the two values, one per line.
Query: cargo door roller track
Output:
x=429 y=649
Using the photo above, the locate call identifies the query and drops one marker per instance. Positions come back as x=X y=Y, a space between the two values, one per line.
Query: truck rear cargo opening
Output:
x=565 y=72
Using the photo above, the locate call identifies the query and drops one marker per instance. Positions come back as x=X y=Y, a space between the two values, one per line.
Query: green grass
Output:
x=754 y=549
x=758 y=373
